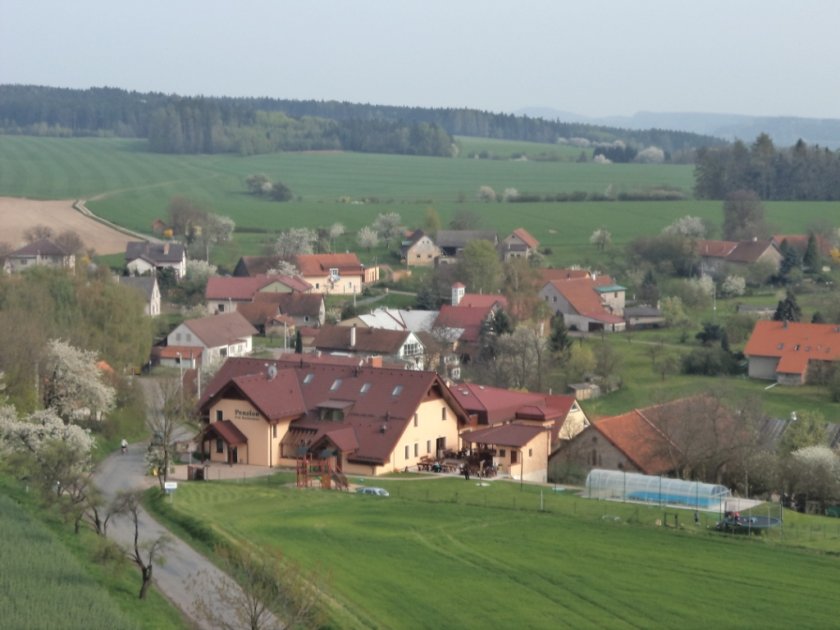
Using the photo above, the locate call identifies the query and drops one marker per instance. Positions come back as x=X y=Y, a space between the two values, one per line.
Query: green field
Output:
x=448 y=553
x=138 y=186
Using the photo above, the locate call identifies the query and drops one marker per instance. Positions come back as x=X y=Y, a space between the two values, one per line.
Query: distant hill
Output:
x=190 y=124
x=784 y=130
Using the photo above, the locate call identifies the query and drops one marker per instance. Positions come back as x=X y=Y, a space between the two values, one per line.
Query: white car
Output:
x=380 y=492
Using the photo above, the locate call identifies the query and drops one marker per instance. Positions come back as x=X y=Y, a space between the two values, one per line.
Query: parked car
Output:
x=380 y=492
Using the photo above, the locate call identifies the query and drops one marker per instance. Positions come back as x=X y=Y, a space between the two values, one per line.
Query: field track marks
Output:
x=118 y=191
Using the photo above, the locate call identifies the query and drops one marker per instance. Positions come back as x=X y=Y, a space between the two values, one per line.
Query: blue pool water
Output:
x=649 y=496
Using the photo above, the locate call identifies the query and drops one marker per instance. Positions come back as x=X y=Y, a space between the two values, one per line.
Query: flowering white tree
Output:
x=334 y=232
x=199 y=271
x=283 y=268
x=73 y=384
x=510 y=194
x=486 y=193
x=601 y=237
x=815 y=471
x=388 y=226
x=650 y=155
x=688 y=226
x=367 y=238
x=295 y=241
x=34 y=432
x=733 y=286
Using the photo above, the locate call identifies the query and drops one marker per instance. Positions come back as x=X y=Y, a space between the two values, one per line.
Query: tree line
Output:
x=798 y=173
x=176 y=124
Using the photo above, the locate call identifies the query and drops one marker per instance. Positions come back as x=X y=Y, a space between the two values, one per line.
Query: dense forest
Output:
x=799 y=173
x=175 y=124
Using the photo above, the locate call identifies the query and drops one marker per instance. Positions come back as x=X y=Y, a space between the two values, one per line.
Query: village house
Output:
x=518 y=429
x=459 y=323
x=396 y=345
x=342 y=274
x=419 y=250
x=799 y=242
x=218 y=336
x=40 y=253
x=789 y=352
x=589 y=303
x=715 y=256
x=519 y=244
x=453 y=242
x=254 y=266
x=147 y=287
x=142 y=257
x=353 y=420
x=305 y=309
x=394 y=319
x=224 y=293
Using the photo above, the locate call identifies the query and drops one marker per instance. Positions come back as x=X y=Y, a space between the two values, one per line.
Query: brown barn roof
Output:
x=373 y=340
x=221 y=329
x=516 y=435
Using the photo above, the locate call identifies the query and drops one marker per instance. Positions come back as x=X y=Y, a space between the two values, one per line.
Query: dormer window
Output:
x=308 y=378
x=336 y=384
x=397 y=390
x=365 y=388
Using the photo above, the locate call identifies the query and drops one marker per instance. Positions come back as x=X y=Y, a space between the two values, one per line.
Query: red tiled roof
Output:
x=548 y=274
x=470 y=320
x=523 y=235
x=639 y=440
x=516 y=435
x=495 y=404
x=800 y=242
x=582 y=296
x=245 y=288
x=172 y=352
x=226 y=430
x=317 y=264
x=373 y=398
x=794 y=343
x=715 y=249
x=294 y=304
x=749 y=251
x=257 y=313
x=479 y=300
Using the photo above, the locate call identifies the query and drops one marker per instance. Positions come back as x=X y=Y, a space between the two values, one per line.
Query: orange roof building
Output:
x=586 y=303
x=785 y=351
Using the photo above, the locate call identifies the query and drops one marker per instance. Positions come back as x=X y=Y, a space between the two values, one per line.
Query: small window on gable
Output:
x=397 y=390
x=416 y=419
x=219 y=415
x=443 y=413
x=336 y=384
x=365 y=388
x=308 y=378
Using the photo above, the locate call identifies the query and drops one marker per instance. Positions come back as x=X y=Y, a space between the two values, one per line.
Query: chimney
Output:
x=375 y=362
x=166 y=248
x=353 y=336
x=458 y=290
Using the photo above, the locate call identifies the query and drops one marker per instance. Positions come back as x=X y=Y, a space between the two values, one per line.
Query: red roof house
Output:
x=785 y=351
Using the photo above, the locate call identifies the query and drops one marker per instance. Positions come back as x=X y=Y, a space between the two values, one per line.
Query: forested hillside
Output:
x=800 y=173
x=176 y=124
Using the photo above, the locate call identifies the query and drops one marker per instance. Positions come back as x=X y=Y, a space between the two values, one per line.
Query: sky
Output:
x=590 y=57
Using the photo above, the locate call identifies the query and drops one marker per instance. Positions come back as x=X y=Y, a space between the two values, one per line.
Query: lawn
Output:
x=49 y=577
x=445 y=552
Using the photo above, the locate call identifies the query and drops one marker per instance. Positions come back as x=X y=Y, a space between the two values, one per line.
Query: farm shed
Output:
x=616 y=485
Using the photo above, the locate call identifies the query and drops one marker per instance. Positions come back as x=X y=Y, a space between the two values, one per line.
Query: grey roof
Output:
x=42 y=247
x=142 y=284
x=642 y=311
x=155 y=252
x=460 y=238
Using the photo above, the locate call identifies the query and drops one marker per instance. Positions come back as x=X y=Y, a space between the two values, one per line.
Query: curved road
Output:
x=176 y=577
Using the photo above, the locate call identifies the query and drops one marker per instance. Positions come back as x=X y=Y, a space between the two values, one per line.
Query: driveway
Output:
x=175 y=578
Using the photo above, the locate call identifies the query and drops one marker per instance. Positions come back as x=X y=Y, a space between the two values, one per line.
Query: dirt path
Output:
x=184 y=566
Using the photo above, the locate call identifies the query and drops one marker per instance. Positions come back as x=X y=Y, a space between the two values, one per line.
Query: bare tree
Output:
x=37 y=232
x=145 y=554
x=70 y=242
x=268 y=583
x=168 y=417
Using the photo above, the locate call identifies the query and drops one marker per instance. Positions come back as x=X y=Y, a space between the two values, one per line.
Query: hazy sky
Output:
x=592 y=57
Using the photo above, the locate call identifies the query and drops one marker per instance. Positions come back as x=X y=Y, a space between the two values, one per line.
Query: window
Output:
x=308 y=378
x=530 y=452
x=416 y=449
x=397 y=390
x=274 y=430
x=223 y=352
x=501 y=452
x=365 y=389
x=317 y=286
x=443 y=413
x=336 y=384
x=177 y=336
x=428 y=446
x=220 y=445
x=406 y=451
x=219 y=415
x=221 y=308
x=514 y=456
x=416 y=419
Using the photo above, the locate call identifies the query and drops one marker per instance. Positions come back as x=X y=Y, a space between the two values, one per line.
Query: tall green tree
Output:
x=788 y=310
x=479 y=267
x=811 y=260
x=743 y=216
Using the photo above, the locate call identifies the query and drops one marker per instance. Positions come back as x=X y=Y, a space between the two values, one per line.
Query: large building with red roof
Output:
x=365 y=420
x=334 y=273
x=224 y=293
x=587 y=303
x=714 y=255
x=786 y=351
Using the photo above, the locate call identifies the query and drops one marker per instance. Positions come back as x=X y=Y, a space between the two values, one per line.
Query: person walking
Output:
x=124 y=446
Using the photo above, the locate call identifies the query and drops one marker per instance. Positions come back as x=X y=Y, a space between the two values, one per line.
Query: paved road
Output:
x=175 y=578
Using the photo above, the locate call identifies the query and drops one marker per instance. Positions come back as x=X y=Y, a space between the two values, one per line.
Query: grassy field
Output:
x=445 y=552
x=49 y=579
x=138 y=186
